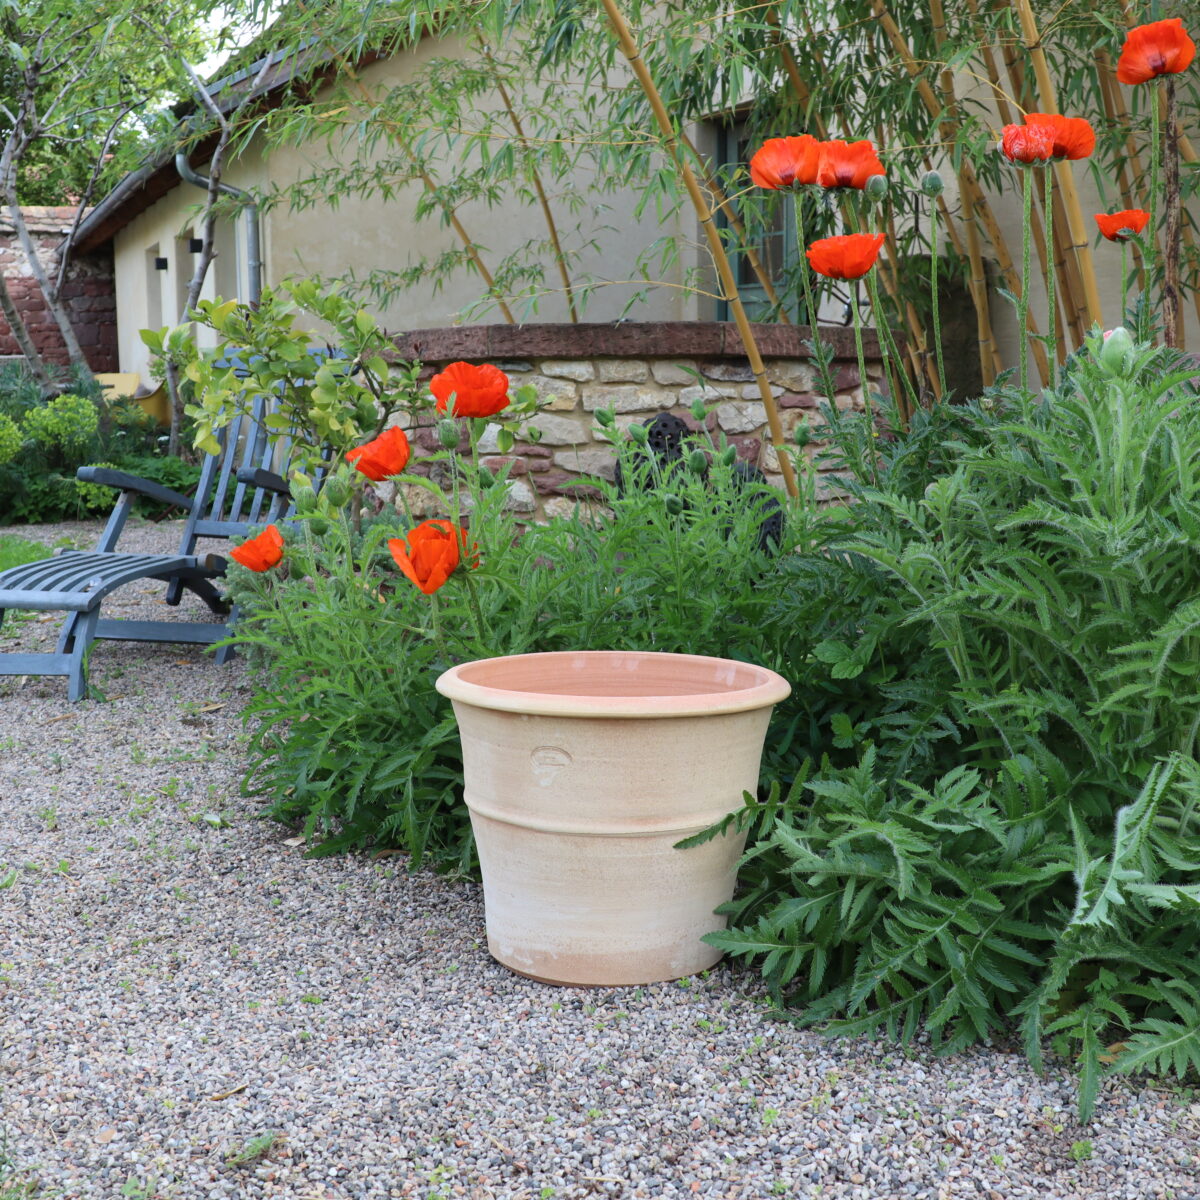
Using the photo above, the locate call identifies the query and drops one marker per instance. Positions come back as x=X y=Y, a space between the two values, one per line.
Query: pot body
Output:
x=582 y=771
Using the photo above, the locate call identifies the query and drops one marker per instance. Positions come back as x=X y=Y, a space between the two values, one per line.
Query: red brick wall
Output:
x=88 y=293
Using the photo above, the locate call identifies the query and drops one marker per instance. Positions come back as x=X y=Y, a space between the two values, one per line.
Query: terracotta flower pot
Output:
x=583 y=769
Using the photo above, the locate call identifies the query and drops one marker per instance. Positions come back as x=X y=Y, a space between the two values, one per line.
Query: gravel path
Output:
x=191 y=1009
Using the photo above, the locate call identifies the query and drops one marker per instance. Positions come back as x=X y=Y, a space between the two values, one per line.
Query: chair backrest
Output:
x=224 y=506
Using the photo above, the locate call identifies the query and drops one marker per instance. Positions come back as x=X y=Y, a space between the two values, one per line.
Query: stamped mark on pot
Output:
x=547 y=762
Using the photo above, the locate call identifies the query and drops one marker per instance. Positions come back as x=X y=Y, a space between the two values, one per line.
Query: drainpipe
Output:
x=189 y=175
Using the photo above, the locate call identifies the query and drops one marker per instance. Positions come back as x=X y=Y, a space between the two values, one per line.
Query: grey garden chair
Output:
x=238 y=489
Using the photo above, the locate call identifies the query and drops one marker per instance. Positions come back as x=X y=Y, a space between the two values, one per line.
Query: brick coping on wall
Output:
x=626 y=339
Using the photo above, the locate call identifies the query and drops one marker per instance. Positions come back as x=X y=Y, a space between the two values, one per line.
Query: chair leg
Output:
x=79 y=632
x=226 y=653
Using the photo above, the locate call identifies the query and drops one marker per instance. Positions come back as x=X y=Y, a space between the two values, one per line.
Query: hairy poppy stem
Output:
x=810 y=309
x=1023 y=298
x=1124 y=280
x=1171 y=234
x=1051 y=298
x=935 y=299
x=865 y=384
x=1145 y=324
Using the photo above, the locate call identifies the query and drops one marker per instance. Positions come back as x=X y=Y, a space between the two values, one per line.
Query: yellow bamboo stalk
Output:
x=633 y=54
x=990 y=363
x=1073 y=316
x=725 y=205
x=429 y=185
x=560 y=258
x=1129 y=199
x=1080 y=245
x=968 y=180
x=891 y=251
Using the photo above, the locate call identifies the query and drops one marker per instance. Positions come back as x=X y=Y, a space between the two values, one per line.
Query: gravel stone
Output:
x=180 y=987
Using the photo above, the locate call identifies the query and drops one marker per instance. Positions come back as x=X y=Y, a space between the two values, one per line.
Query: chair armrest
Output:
x=133 y=483
x=260 y=478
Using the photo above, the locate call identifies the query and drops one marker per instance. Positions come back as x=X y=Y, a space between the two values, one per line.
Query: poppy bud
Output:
x=698 y=411
x=876 y=187
x=932 y=184
x=1116 y=351
x=533 y=434
x=728 y=456
x=802 y=434
x=337 y=491
x=673 y=504
x=605 y=417
x=448 y=433
x=486 y=478
x=304 y=495
x=697 y=462
x=639 y=434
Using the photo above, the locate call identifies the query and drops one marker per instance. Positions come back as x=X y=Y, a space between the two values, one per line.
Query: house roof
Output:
x=43 y=218
x=157 y=175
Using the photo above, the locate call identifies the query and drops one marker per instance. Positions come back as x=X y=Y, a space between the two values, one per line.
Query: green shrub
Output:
x=350 y=739
x=1018 y=838
x=65 y=428
x=10 y=439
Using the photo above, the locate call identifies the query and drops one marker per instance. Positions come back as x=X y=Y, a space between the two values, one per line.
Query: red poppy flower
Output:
x=1121 y=226
x=848 y=257
x=430 y=553
x=1027 y=143
x=785 y=162
x=847 y=164
x=1073 y=136
x=260 y=553
x=386 y=455
x=475 y=391
x=1160 y=48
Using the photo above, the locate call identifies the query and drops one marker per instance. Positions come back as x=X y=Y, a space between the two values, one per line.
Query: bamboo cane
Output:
x=430 y=186
x=721 y=260
x=536 y=178
x=968 y=180
x=1073 y=317
x=890 y=246
x=725 y=205
x=1080 y=246
x=989 y=353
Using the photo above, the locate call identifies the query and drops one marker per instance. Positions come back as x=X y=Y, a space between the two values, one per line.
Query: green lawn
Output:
x=14 y=551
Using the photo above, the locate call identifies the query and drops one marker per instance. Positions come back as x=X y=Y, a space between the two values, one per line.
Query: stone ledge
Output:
x=630 y=339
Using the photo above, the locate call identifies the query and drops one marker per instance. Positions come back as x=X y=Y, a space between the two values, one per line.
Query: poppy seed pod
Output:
x=932 y=184
x=876 y=187
x=448 y=433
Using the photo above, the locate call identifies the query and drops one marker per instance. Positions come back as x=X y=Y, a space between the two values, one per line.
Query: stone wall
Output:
x=88 y=292
x=639 y=370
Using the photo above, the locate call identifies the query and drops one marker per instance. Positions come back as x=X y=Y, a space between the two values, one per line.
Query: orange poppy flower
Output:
x=260 y=553
x=429 y=554
x=786 y=162
x=847 y=164
x=386 y=455
x=1027 y=143
x=1121 y=226
x=1160 y=48
x=470 y=391
x=848 y=257
x=1073 y=136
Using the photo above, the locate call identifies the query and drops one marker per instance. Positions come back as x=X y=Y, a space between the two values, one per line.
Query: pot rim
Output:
x=760 y=686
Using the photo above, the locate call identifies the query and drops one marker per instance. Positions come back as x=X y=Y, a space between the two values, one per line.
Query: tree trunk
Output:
x=28 y=349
